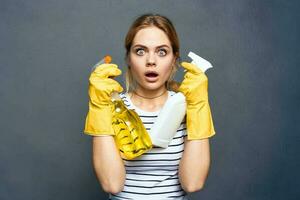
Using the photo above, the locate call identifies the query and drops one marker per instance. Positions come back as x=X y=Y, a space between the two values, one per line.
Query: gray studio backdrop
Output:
x=48 y=47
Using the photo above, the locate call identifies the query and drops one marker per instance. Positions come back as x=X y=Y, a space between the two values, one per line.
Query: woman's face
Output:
x=151 y=59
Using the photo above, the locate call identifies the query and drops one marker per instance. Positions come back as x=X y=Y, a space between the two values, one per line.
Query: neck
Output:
x=149 y=97
x=149 y=101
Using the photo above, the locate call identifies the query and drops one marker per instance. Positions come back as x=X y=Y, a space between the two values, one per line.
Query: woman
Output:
x=152 y=54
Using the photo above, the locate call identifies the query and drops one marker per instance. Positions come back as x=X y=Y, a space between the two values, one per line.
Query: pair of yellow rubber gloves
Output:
x=107 y=117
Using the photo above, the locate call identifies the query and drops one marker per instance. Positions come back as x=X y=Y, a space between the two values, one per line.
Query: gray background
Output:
x=47 y=49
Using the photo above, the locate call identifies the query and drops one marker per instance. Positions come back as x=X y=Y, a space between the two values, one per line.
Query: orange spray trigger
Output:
x=107 y=59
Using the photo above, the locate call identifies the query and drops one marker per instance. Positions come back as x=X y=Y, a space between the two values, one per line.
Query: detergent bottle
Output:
x=131 y=137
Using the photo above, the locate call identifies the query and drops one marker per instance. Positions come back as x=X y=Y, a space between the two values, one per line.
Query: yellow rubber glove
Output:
x=99 y=117
x=131 y=136
x=198 y=115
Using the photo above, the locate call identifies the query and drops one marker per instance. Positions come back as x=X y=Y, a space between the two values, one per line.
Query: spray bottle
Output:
x=131 y=137
x=173 y=112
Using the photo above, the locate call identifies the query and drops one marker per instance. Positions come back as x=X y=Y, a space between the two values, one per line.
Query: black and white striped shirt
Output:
x=154 y=175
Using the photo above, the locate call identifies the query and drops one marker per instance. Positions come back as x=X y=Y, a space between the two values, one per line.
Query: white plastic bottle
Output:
x=168 y=120
x=173 y=112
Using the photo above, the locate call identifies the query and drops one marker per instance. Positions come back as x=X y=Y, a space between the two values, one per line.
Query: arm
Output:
x=194 y=164
x=108 y=164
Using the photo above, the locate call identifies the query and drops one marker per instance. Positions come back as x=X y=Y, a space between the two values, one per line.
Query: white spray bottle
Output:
x=173 y=112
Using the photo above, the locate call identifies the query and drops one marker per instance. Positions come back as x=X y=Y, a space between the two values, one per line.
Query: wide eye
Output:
x=140 y=51
x=162 y=52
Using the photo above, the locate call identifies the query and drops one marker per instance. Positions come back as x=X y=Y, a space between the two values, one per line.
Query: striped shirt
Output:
x=154 y=175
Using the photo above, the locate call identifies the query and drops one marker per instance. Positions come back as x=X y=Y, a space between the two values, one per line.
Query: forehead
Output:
x=151 y=37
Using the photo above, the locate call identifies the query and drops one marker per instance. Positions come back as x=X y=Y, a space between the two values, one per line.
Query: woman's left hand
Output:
x=195 y=84
x=195 y=88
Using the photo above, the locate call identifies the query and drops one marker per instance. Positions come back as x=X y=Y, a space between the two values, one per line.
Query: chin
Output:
x=153 y=86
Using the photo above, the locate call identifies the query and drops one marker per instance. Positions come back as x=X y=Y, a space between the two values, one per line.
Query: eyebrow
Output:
x=140 y=45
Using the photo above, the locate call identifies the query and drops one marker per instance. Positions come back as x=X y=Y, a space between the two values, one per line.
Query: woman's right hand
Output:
x=101 y=86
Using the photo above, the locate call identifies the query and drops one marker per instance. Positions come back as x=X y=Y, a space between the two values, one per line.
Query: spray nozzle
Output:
x=199 y=62
x=106 y=59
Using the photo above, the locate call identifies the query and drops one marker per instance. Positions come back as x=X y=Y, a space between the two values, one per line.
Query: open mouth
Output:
x=151 y=74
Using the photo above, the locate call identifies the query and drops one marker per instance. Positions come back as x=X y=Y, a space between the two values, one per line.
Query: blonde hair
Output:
x=165 y=25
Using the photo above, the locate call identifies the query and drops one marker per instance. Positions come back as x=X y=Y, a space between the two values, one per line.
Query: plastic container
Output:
x=168 y=120
x=173 y=112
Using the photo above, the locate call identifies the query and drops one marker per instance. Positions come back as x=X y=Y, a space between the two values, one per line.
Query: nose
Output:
x=151 y=61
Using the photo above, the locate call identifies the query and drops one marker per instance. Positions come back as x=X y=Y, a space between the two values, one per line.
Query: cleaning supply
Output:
x=131 y=136
x=174 y=110
x=195 y=88
x=125 y=126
